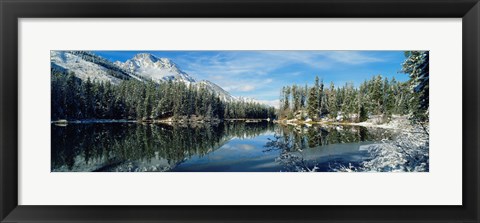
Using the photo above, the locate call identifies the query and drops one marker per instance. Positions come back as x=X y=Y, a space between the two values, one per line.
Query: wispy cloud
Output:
x=243 y=88
x=352 y=57
x=246 y=147
x=244 y=72
x=254 y=63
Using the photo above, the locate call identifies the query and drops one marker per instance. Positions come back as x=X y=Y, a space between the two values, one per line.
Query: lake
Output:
x=230 y=146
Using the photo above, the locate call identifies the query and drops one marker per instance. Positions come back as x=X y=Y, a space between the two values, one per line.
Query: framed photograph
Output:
x=227 y=111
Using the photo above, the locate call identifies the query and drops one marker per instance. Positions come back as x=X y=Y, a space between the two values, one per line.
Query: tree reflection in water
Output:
x=292 y=141
x=161 y=147
x=139 y=147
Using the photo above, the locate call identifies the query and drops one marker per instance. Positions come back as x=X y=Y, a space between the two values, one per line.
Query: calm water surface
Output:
x=224 y=147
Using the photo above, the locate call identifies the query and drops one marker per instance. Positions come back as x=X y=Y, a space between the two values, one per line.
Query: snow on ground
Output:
x=83 y=69
x=407 y=152
x=396 y=122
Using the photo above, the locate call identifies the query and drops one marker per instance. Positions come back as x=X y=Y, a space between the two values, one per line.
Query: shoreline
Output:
x=165 y=121
x=88 y=121
x=396 y=123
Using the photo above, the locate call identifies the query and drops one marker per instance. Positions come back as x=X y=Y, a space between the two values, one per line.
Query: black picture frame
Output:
x=12 y=10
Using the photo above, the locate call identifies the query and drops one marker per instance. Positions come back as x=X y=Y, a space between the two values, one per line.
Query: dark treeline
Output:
x=74 y=99
x=377 y=96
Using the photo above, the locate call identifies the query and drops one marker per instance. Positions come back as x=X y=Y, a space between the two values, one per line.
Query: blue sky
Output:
x=261 y=74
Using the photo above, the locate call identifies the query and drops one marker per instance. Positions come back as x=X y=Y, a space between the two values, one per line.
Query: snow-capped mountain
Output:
x=154 y=68
x=222 y=94
x=87 y=65
x=158 y=69
x=143 y=66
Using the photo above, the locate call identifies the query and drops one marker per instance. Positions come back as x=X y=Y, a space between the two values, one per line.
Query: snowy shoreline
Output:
x=163 y=121
x=396 y=123
x=92 y=121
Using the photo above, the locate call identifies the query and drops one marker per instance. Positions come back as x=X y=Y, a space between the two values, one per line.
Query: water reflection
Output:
x=227 y=146
x=314 y=148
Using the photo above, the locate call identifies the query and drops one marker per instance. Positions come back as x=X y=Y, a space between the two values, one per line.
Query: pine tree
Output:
x=332 y=101
x=73 y=99
x=363 y=116
x=389 y=98
x=303 y=98
x=417 y=67
x=296 y=98
x=88 y=98
x=313 y=101
x=286 y=102
x=377 y=96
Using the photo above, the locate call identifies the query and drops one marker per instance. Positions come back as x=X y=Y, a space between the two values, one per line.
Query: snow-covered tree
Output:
x=416 y=66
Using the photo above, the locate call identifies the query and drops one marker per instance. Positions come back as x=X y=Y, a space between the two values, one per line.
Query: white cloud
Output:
x=244 y=72
x=324 y=59
x=246 y=147
x=352 y=57
x=295 y=73
x=246 y=88
x=247 y=64
x=310 y=58
x=243 y=88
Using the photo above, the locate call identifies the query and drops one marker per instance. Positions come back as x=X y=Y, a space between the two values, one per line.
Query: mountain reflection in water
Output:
x=232 y=146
